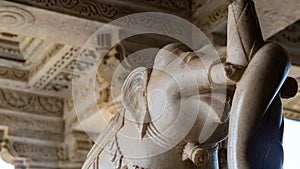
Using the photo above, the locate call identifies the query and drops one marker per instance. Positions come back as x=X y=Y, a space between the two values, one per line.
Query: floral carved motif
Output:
x=31 y=103
x=14 y=74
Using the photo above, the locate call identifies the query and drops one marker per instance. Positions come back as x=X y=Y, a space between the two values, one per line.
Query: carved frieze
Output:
x=213 y=18
x=105 y=11
x=90 y=9
x=14 y=74
x=30 y=103
x=35 y=150
x=183 y=5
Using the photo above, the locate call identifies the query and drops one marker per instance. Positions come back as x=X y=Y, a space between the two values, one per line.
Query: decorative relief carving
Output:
x=54 y=87
x=216 y=17
x=90 y=9
x=57 y=66
x=104 y=12
x=14 y=74
x=183 y=5
x=65 y=77
x=10 y=50
x=152 y=23
x=12 y=16
x=49 y=54
x=51 y=104
x=35 y=151
x=36 y=104
x=65 y=73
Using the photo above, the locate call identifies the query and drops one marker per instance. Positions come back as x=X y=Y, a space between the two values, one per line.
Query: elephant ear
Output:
x=134 y=98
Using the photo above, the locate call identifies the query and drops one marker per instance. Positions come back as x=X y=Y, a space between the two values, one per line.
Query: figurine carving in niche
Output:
x=175 y=114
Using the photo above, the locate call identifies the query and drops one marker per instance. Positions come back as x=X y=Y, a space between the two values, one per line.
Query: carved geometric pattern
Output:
x=76 y=68
x=18 y=48
x=54 y=70
x=31 y=103
x=47 y=56
x=10 y=52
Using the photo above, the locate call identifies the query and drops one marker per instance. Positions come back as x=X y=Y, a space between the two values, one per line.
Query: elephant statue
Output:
x=175 y=114
x=165 y=108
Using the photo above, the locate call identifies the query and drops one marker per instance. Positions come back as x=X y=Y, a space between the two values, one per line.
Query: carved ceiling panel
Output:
x=105 y=11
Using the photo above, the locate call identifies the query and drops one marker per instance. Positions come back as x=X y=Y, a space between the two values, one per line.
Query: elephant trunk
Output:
x=255 y=92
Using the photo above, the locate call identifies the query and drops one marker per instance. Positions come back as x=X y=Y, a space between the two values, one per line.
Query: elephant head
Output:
x=177 y=100
x=173 y=111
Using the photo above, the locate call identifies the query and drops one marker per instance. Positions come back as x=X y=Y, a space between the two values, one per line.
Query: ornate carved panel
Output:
x=214 y=18
x=35 y=150
x=14 y=74
x=105 y=11
x=30 y=103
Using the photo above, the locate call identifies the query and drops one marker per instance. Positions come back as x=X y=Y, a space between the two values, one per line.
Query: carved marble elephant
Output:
x=173 y=115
